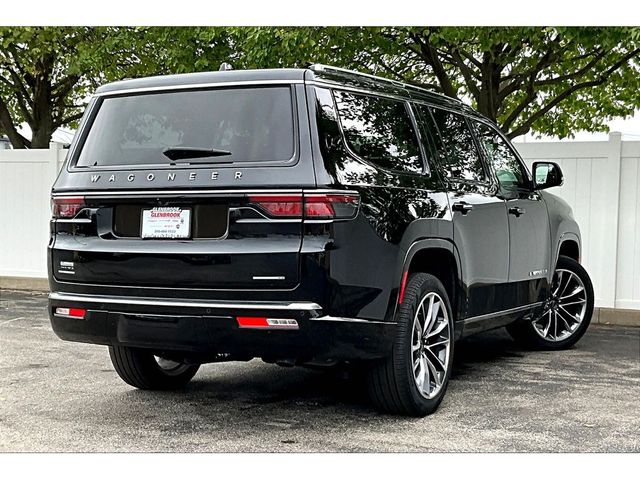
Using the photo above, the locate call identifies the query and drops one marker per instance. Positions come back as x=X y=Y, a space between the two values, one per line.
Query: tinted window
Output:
x=255 y=125
x=462 y=160
x=508 y=168
x=430 y=132
x=379 y=130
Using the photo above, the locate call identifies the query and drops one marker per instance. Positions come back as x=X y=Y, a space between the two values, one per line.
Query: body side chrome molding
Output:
x=161 y=302
x=349 y=320
x=499 y=313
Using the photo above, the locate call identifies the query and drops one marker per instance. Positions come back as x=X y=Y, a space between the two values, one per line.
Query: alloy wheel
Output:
x=430 y=345
x=565 y=310
x=170 y=367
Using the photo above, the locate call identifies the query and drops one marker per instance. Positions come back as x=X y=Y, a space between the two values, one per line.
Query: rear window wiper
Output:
x=190 y=153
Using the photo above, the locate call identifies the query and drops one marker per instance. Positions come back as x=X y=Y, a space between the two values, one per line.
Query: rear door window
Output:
x=253 y=124
x=380 y=131
x=462 y=160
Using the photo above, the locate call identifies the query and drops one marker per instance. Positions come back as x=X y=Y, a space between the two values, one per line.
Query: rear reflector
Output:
x=70 y=312
x=403 y=284
x=325 y=206
x=264 y=322
x=66 y=207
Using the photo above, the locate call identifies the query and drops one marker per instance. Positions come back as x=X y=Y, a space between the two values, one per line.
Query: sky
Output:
x=629 y=127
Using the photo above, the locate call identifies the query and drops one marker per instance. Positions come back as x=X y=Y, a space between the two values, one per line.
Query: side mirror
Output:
x=547 y=175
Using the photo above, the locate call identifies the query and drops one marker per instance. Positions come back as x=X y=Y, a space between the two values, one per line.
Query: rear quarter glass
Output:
x=257 y=125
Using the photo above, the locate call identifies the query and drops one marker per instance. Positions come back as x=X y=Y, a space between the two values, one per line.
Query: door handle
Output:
x=517 y=211
x=462 y=207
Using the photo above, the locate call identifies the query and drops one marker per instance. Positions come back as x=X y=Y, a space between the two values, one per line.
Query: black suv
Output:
x=307 y=217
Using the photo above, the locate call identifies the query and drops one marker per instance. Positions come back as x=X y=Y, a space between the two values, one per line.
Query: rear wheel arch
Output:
x=437 y=257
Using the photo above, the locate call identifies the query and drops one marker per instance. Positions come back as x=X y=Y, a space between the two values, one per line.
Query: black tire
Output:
x=140 y=369
x=391 y=383
x=526 y=334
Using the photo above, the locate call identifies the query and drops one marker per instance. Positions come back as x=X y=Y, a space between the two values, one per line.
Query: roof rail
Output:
x=319 y=67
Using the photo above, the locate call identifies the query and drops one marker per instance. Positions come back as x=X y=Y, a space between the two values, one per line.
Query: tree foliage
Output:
x=553 y=81
x=47 y=73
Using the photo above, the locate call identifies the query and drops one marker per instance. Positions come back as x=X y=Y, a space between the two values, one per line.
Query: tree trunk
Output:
x=41 y=137
x=43 y=126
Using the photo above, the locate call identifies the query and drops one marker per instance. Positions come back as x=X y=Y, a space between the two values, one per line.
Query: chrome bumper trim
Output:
x=162 y=302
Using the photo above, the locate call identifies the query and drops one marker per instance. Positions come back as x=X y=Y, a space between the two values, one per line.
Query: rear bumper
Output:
x=211 y=327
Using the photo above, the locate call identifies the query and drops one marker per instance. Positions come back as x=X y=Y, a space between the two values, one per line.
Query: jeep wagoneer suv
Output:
x=305 y=216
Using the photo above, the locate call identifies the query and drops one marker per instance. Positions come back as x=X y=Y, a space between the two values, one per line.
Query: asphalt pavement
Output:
x=58 y=396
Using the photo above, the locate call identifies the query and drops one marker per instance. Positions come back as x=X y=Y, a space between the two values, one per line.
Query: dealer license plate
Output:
x=166 y=222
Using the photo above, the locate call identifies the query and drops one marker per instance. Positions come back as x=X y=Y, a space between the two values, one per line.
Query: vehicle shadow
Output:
x=253 y=385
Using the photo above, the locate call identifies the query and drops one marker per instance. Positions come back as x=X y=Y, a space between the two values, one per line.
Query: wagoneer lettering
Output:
x=305 y=217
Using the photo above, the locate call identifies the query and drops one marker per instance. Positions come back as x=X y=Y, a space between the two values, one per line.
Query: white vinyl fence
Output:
x=602 y=184
x=26 y=177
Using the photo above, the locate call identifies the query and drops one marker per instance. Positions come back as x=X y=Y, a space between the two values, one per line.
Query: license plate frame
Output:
x=168 y=223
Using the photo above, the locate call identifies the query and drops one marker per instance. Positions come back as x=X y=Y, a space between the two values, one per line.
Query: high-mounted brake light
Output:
x=66 y=207
x=314 y=206
x=70 y=312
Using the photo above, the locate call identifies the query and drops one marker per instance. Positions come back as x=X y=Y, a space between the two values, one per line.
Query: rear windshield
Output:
x=253 y=124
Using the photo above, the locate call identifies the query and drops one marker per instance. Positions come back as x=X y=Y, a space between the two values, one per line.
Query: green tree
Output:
x=47 y=73
x=553 y=81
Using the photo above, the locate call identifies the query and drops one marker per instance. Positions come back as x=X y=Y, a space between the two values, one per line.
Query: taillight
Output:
x=315 y=206
x=339 y=206
x=66 y=207
x=279 y=205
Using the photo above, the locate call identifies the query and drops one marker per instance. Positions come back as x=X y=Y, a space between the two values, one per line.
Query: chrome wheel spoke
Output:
x=566 y=324
x=438 y=343
x=438 y=329
x=546 y=329
x=434 y=373
x=437 y=360
x=577 y=302
x=426 y=381
x=555 y=291
x=577 y=290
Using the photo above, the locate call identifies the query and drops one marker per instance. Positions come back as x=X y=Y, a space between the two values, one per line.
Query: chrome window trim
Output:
x=194 y=86
x=161 y=302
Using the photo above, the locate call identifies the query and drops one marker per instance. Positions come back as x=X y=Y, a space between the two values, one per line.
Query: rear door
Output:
x=189 y=189
x=529 y=234
x=481 y=232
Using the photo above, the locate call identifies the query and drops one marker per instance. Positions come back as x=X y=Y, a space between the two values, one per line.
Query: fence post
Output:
x=612 y=190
